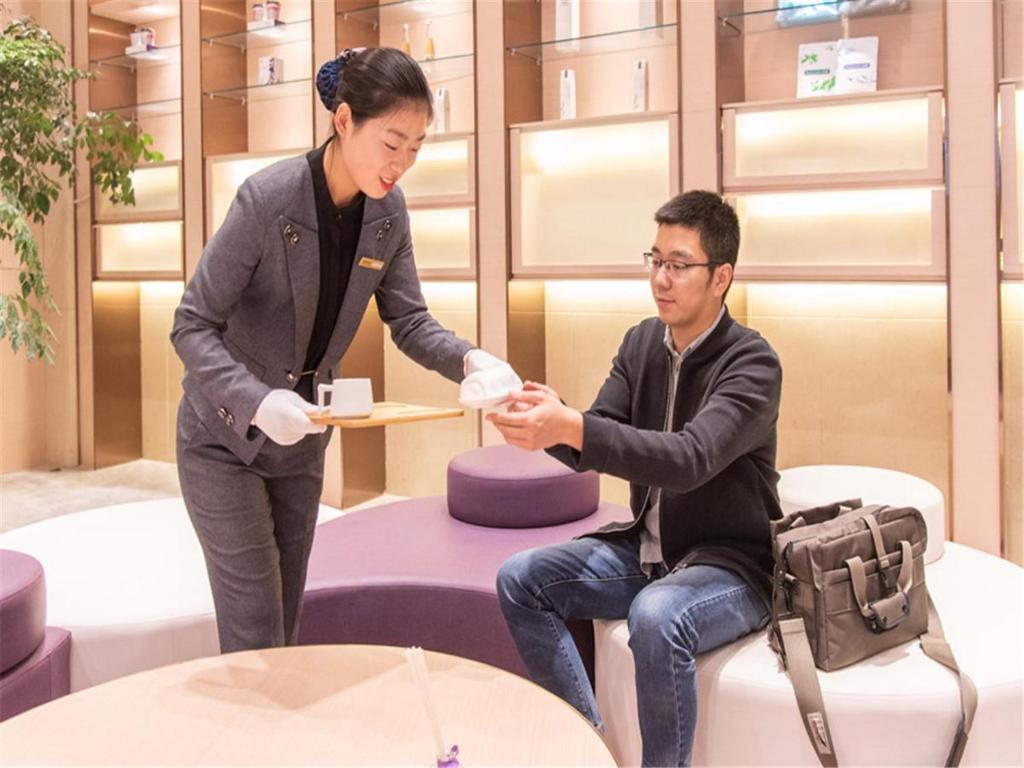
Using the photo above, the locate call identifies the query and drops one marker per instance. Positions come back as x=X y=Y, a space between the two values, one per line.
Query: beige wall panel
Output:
x=418 y=454
x=1012 y=47
x=864 y=374
x=162 y=370
x=117 y=387
x=910 y=48
x=1013 y=420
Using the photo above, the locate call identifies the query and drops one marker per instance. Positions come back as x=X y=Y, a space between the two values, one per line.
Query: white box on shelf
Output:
x=816 y=69
x=135 y=50
x=640 y=86
x=271 y=70
x=857 y=65
x=442 y=111
x=567 y=94
x=648 y=13
x=567 y=24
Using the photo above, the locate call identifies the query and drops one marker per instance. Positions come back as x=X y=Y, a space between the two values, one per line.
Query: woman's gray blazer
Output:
x=245 y=321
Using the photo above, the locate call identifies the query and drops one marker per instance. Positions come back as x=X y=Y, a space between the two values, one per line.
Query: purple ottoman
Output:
x=507 y=487
x=34 y=660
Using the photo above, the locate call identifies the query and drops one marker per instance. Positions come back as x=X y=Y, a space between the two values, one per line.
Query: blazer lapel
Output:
x=302 y=248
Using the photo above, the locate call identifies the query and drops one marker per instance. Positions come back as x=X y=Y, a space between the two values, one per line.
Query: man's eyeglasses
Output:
x=674 y=269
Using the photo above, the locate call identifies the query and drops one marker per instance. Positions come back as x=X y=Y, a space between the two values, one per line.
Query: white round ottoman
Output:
x=812 y=486
x=896 y=708
x=129 y=583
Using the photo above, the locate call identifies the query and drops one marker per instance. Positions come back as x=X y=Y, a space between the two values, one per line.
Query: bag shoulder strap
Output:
x=804 y=676
x=935 y=646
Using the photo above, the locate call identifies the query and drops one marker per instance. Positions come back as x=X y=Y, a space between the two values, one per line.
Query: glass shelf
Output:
x=160 y=108
x=406 y=11
x=135 y=12
x=821 y=12
x=447 y=67
x=254 y=93
x=156 y=57
x=282 y=33
x=658 y=36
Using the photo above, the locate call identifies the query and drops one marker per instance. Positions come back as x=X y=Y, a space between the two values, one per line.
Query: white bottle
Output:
x=640 y=86
x=648 y=13
x=567 y=94
x=442 y=111
x=567 y=24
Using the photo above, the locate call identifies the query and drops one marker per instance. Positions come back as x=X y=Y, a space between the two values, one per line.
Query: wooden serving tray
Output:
x=388 y=413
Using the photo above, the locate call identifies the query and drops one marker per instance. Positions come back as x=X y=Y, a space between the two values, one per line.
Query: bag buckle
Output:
x=888 y=612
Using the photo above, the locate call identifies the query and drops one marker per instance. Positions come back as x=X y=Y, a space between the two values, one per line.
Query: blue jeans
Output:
x=671 y=619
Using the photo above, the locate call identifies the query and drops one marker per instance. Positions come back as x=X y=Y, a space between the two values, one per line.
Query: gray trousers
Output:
x=255 y=524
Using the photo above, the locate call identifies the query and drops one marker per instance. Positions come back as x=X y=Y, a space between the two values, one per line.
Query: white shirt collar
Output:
x=696 y=342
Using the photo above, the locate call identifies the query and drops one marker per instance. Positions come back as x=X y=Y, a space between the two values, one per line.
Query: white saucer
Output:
x=485 y=402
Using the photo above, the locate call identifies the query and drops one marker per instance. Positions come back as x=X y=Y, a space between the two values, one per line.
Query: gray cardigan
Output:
x=716 y=466
x=245 y=321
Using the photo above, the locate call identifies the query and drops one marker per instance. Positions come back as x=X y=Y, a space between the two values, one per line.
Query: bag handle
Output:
x=888 y=611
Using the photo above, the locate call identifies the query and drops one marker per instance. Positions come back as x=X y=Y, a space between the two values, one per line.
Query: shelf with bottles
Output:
x=834 y=141
x=282 y=33
x=257 y=93
x=150 y=250
x=152 y=57
x=800 y=13
x=567 y=175
x=1011 y=114
x=376 y=15
x=158 y=196
x=862 y=48
x=889 y=234
x=640 y=39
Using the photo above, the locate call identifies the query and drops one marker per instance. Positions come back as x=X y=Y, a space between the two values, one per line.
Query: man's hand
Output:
x=537 y=419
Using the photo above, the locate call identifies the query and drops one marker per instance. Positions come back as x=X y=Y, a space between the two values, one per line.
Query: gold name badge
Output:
x=369 y=263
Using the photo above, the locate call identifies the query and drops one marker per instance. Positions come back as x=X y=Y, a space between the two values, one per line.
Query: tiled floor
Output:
x=33 y=495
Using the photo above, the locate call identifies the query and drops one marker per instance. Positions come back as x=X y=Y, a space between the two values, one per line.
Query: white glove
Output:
x=490 y=381
x=283 y=417
x=478 y=360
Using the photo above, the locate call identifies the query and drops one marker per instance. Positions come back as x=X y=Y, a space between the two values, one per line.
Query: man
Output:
x=688 y=416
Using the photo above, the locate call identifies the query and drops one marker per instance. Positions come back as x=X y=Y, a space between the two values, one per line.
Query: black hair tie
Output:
x=328 y=76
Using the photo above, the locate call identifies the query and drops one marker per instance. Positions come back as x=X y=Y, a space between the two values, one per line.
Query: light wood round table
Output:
x=306 y=705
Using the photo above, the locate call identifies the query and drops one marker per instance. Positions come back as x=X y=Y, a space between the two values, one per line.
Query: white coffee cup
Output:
x=350 y=398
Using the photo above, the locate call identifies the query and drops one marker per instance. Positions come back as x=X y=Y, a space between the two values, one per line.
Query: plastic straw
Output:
x=418 y=664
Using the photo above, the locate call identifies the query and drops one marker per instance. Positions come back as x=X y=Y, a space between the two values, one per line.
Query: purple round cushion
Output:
x=22 y=607
x=506 y=487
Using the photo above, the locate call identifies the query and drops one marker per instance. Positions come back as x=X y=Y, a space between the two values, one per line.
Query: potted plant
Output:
x=40 y=132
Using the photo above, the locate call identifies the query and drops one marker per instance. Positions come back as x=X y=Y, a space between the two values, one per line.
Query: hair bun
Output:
x=329 y=75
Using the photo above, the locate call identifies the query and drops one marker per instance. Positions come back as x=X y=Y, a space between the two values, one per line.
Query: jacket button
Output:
x=229 y=420
x=294 y=239
x=380 y=234
x=222 y=412
x=291 y=378
x=289 y=230
x=387 y=224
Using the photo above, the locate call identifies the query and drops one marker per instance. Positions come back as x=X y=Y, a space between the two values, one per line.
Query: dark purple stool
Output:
x=410 y=573
x=35 y=661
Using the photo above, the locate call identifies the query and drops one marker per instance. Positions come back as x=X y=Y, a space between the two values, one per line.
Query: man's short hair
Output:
x=712 y=217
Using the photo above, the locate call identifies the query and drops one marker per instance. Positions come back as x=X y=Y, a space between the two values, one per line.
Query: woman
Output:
x=273 y=305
